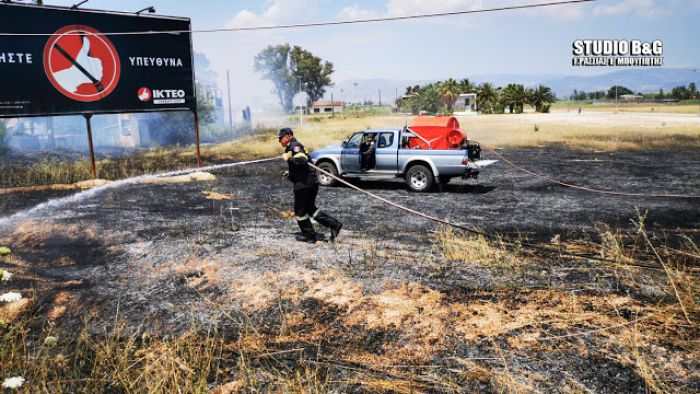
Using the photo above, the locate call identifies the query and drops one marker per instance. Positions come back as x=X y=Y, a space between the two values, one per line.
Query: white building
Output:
x=465 y=104
x=327 y=107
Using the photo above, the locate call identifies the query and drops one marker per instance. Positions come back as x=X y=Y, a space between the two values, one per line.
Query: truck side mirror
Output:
x=344 y=144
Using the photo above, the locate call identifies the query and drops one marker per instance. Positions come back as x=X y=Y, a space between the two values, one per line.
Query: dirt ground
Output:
x=386 y=295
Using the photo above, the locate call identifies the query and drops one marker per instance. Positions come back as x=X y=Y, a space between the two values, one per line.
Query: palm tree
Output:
x=410 y=102
x=541 y=98
x=449 y=91
x=487 y=97
x=466 y=86
x=430 y=99
x=515 y=96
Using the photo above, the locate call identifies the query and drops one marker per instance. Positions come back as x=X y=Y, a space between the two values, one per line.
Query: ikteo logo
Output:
x=620 y=53
x=145 y=94
x=161 y=96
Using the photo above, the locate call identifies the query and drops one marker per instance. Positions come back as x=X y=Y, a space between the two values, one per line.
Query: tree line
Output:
x=441 y=96
x=677 y=93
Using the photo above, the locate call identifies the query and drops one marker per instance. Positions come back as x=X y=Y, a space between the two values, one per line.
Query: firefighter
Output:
x=305 y=189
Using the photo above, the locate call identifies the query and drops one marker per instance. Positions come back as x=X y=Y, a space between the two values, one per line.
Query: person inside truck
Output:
x=368 y=158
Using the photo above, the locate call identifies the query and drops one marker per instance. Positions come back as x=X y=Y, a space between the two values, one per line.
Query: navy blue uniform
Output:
x=305 y=191
x=300 y=173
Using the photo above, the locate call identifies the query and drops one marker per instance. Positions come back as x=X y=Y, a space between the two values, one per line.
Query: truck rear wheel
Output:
x=325 y=179
x=419 y=178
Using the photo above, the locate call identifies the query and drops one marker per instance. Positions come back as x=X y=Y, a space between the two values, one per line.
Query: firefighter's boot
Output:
x=308 y=234
x=330 y=222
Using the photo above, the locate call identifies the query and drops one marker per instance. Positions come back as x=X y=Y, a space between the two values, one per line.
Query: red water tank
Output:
x=442 y=132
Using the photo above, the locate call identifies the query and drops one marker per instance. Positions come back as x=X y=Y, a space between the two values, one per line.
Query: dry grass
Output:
x=692 y=109
x=475 y=249
x=305 y=352
x=602 y=130
x=593 y=129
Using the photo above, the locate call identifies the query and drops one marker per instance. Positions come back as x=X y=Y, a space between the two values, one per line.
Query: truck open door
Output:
x=350 y=155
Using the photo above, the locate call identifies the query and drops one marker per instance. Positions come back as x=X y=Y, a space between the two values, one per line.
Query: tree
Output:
x=410 y=101
x=542 y=98
x=692 y=91
x=449 y=91
x=430 y=99
x=574 y=95
x=487 y=98
x=287 y=67
x=617 y=91
x=514 y=97
x=661 y=94
x=177 y=127
x=680 y=93
x=3 y=143
x=466 y=86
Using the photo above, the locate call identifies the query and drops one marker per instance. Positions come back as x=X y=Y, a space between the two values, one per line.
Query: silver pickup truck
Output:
x=384 y=152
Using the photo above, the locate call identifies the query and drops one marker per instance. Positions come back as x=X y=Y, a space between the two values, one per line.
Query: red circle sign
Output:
x=82 y=63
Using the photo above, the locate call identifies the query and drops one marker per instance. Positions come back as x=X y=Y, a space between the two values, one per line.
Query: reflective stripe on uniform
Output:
x=302 y=218
x=300 y=155
x=315 y=214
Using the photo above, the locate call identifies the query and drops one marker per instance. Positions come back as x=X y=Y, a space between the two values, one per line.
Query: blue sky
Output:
x=524 y=42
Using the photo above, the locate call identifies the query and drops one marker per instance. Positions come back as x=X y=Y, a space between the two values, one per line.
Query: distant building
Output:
x=465 y=104
x=122 y=131
x=211 y=94
x=632 y=98
x=327 y=107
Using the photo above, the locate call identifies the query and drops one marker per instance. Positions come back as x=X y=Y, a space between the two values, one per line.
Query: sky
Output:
x=535 y=41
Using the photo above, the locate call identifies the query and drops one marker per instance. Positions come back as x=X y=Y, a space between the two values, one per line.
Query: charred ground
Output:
x=399 y=302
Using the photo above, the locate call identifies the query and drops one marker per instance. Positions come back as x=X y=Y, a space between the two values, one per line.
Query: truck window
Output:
x=355 y=140
x=385 y=140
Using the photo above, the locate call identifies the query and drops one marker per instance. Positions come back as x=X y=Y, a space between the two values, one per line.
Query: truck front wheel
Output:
x=325 y=179
x=419 y=178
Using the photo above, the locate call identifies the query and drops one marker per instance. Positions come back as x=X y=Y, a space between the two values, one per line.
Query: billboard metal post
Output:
x=196 y=137
x=88 y=117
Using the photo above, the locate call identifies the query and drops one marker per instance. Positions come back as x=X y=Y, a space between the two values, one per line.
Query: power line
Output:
x=321 y=24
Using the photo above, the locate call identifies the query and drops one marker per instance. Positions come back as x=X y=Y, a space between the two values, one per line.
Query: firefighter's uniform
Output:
x=305 y=191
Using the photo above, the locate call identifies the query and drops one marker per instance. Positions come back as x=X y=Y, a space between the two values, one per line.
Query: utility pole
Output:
x=380 y=96
x=230 y=110
x=696 y=70
x=301 y=107
x=356 y=97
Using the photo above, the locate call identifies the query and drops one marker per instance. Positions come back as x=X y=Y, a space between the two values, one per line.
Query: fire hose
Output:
x=584 y=188
x=550 y=251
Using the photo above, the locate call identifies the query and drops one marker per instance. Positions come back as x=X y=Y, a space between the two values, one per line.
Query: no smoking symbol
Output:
x=82 y=63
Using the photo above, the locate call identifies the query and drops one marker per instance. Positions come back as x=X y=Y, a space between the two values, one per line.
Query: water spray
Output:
x=84 y=195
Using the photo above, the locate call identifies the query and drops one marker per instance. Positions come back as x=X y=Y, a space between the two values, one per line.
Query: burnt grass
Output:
x=384 y=304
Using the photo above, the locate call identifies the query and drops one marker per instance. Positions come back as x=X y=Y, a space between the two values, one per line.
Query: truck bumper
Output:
x=473 y=167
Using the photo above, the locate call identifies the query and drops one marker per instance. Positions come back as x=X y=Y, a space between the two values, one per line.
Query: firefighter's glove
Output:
x=285 y=175
x=286 y=156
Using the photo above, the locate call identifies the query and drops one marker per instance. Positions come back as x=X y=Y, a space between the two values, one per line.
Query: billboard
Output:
x=61 y=61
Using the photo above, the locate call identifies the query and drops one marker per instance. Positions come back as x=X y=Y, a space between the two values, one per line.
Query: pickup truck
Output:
x=421 y=166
